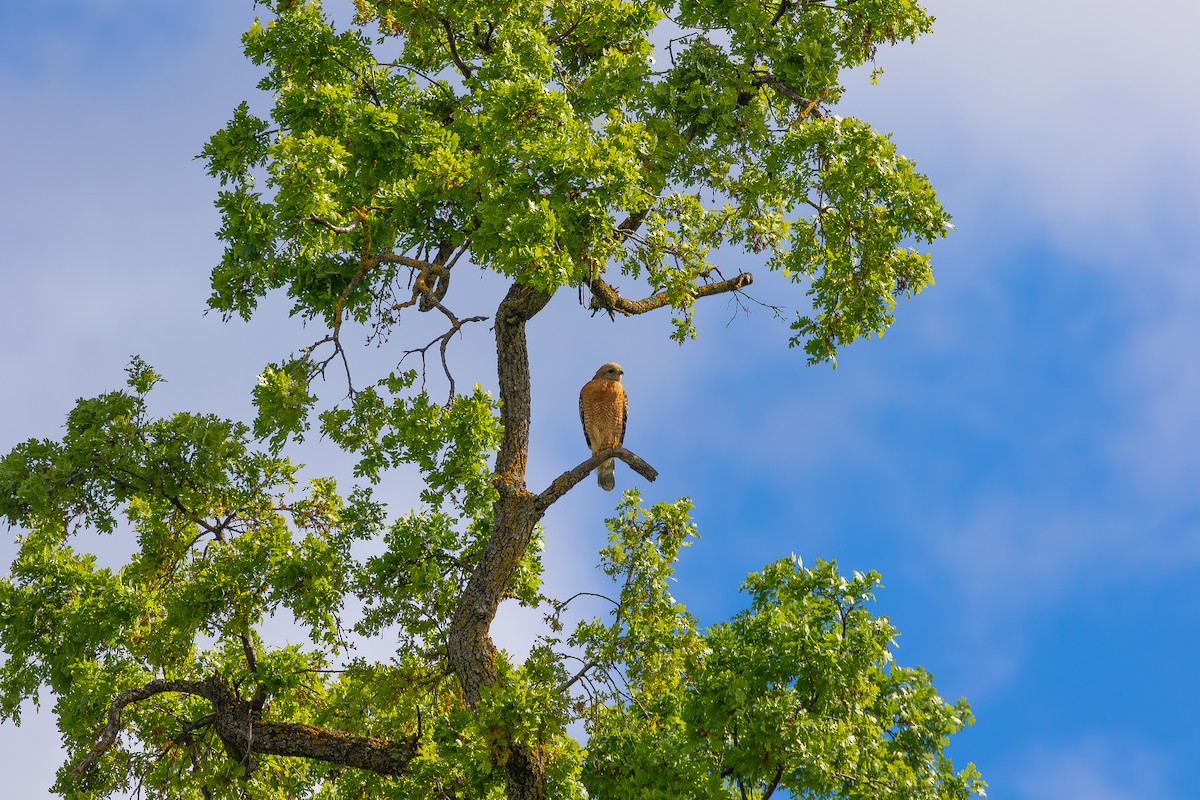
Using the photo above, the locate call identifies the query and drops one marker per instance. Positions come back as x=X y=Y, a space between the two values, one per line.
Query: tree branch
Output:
x=606 y=297
x=455 y=326
x=315 y=367
x=578 y=675
x=242 y=730
x=784 y=7
x=109 y=735
x=565 y=482
x=408 y=261
x=353 y=226
x=519 y=306
x=774 y=782
x=762 y=78
x=148 y=485
x=470 y=648
x=632 y=223
x=462 y=65
x=787 y=5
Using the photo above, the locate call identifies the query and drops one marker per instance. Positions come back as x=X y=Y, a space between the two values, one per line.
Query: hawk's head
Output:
x=610 y=372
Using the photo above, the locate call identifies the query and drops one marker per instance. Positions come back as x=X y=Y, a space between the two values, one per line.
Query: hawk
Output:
x=603 y=409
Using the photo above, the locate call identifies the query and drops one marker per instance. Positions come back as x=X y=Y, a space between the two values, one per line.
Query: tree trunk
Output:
x=526 y=773
x=471 y=651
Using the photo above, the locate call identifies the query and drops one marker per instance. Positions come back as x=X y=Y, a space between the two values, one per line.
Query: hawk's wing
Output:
x=624 y=414
x=583 y=418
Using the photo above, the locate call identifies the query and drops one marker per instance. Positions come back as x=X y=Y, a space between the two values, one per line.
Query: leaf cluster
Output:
x=544 y=141
x=225 y=547
x=799 y=692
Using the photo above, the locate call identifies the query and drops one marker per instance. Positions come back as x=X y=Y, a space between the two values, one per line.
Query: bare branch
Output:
x=786 y=91
x=607 y=298
x=784 y=7
x=763 y=78
x=408 y=261
x=455 y=326
x=109 y=735
x=486 y=44
x=774 y=782
x=464 y=247
x=467 y=71
x=248 y=648
x=561 y=604
x=776 y=311
x=582 y=672
x=353 y=226
x=318 y=367
x=632 y=223
x=565 y=482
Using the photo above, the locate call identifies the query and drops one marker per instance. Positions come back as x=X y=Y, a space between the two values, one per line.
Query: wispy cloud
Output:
x=1159 y=384
x=1065 y=116
x=1093 y=768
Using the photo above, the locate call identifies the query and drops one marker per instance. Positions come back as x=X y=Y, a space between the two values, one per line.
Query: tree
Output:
x=541 y=141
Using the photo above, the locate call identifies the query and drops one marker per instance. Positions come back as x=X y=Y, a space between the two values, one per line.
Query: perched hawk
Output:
x=603 y=409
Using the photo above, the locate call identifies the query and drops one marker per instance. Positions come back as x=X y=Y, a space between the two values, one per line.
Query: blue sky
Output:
x=1018 y=456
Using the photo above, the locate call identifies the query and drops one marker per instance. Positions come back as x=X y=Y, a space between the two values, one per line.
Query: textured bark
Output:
x=516 y=511
x=245 y=734
x=471 y=651
x=519 y=306
x=526 y=773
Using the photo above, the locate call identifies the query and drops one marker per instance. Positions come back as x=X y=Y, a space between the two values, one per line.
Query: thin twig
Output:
x=563 y=603
x=444 y=340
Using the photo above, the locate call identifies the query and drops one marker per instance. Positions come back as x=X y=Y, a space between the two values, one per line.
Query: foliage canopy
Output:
x=559 y=143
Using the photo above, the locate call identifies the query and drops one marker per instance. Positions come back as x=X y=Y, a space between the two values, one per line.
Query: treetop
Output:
x=565 y=144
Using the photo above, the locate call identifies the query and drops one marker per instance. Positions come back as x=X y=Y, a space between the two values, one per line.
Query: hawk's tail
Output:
x=606 y=475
